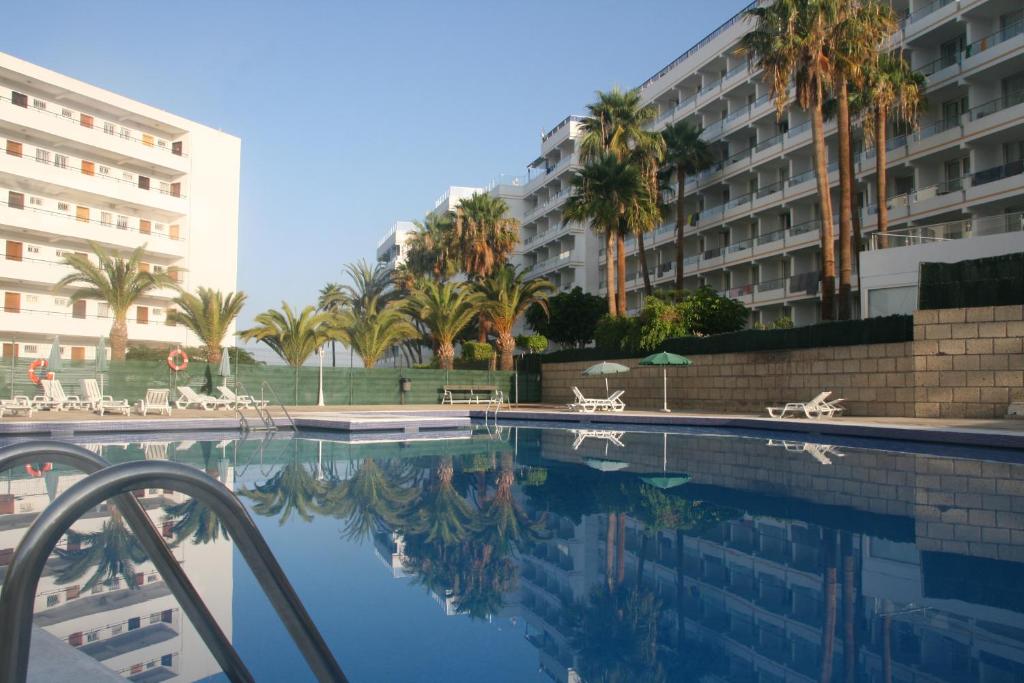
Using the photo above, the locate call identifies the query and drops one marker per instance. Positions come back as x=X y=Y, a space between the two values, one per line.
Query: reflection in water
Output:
x=696 y=556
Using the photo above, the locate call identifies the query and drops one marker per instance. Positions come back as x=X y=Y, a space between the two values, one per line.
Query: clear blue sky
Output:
x=354 y=115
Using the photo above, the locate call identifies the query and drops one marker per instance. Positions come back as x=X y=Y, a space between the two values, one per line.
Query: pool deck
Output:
x=368 y=419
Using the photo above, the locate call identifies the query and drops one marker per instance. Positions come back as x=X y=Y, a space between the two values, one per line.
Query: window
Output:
x=142 y=315
x=116 y=630
x=31 y=349
x=32 y=250
x=63 y=206
x=32 y=298
x=161 y=143
x=12 y=303
x=176 y=148
x=144 y=226
x=143 y=182
x=892 y=300
x=125 y=133
x=122 y=222
x=38 y=104
x=154 y=618
x=60 y=301
x=42 y=156
x=35 y=201
x=85 y=120
x=88 y=167
x=167 y=660
x=60 y=160
x=134 y=623
x=127 y=177
x=92 y=636
x=108 y=128
x=165 y=187
x=103 y=310
x=106 y=218
x=78 y=310
x=15 y=200
x=14 y=148
x=67 y=113
x=147 y=139
x=52 y=600
x=104 y=170
x=19 y=99
x=175 y=189
x=82 y=213
x=13 y=250
x=174 y=232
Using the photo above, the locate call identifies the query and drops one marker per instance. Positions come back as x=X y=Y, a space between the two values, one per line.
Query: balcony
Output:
x=928 y=17
x=1006 y=178
x=995 y=114
x=941 y=69
x=994 y=45
x=944 y=232
x=53 y=168
x=49 y=323
x=547 y=205
x=57 y=119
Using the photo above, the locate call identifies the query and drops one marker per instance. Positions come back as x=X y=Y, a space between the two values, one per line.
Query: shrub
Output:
x=477 y=351
x=704 y=312
x=532 y=343
x=783 y=323
x=658 y=321
x=613 y=332
x=573 y=317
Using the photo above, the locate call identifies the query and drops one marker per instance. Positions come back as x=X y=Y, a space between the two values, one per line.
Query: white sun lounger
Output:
x=18 y=404
x=613 y=403
x=241 y=400
x=814 y=408
x=54 y=397
x=101 y=404
x=157 y=401
x=190 y=398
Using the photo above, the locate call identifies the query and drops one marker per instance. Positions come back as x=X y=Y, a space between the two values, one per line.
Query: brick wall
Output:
x=962 y=363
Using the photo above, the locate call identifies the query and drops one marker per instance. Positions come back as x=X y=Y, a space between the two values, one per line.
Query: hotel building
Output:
x=754 y=232
x=83 y=165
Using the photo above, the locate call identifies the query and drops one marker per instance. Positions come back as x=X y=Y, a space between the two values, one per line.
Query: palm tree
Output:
x=485 y=235
x=374 y=331
x=507 y=296
x=294 y=338
x=446 y=308
x=892 y=89
x=791 y=42
x=603 y=191
x=431 y=251
x=858 y=32
x=371 y=286
x=109 y=554
x=208 y=313
x=617 y=126
x=687 y=154
x=330 y=301
x=119 y=282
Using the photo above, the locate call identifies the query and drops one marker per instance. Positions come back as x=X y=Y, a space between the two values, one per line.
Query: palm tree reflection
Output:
x=109 y=554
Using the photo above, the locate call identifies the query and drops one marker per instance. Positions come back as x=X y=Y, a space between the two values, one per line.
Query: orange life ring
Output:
x=39 y=471
x=36 y=364
x=177 y=360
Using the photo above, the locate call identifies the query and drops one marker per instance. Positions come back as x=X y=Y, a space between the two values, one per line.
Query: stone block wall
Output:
x=962 y=363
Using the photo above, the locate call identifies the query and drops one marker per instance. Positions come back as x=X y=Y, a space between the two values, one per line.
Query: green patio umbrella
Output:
x=605 y=368
x=101 y=359
x=665 y=359
x=665 y=480
x=53 y=362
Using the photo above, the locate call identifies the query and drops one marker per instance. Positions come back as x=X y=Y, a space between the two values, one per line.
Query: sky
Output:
x=355 y=115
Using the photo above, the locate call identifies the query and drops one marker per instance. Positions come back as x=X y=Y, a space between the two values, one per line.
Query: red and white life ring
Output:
x=177 y=360
x=37 y=364
x=39 y=471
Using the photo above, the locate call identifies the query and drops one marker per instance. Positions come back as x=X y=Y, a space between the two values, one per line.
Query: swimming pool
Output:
x=526 y=554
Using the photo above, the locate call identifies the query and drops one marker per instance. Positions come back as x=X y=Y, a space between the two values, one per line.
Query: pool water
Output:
x=526 y=554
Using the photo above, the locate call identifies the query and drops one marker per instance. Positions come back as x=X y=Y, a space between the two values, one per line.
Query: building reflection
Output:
x=100 y=594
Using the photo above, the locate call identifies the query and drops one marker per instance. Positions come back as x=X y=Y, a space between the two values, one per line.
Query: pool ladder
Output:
x=116 y=482
x=263 y=411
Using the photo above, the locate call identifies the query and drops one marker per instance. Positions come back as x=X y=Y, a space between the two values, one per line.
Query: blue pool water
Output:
x=527 y=554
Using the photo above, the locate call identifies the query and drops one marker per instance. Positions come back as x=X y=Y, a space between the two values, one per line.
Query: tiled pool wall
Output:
x=963 y=363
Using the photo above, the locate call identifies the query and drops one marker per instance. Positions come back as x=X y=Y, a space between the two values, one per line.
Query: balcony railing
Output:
x=996 y=105
x=921 y=13
x=990 y=175
x=943 y=62
x=130 y=224
x=993 y=39
x=953 y=230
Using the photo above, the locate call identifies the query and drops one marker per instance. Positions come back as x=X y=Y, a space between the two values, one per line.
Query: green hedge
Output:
x=993 y=281
x=883 y=330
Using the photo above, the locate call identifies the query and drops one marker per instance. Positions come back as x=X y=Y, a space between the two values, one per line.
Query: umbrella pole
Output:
x=664 y=390
x=607 y=391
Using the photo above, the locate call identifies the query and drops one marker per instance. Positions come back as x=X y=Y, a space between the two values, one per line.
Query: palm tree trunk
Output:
x=887 y=644
x=828 y=257
x=446 y=355
x=828 y=628
x=334 y=354
x=845 y=204
x=609 y=272
x=213 y=354
x=609 y=551
x=642 y=560
x=119 y=337
x=680 y=227
x=506 y=347
x=620 y=249
x=849 y=609
x=857 y=232
x=642 y=255
x=882 y=181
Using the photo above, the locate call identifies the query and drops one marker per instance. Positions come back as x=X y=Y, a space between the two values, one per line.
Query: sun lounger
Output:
x=101 y=404
x=54 y=398
x=190 y=398
x=613 y=403
x=241 y=400
x=18 y=404
x=156 y=401
x=814 y=408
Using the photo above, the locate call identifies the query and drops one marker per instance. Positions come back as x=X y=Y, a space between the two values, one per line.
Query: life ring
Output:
x=177 y=360
x=39 y=471
x=36 y=364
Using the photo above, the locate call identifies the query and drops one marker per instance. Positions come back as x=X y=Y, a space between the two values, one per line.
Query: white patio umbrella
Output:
x=605 y=368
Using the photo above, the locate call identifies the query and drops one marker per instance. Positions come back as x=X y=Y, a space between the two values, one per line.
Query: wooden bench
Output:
x=471 y=393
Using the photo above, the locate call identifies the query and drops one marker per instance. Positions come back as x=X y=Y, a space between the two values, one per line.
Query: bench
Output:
x=471 y=393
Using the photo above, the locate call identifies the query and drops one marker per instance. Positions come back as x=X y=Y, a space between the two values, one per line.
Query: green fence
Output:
x=993 y=281
x=342 y=386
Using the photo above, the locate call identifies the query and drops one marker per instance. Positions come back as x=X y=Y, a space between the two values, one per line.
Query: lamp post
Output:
x=320 y=386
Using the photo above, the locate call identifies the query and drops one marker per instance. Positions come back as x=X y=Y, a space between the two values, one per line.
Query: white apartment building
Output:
x=754 y=232
x=391 y=249
x=80 y=164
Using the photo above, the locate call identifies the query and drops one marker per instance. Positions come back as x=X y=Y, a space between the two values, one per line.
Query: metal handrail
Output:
x=18 y=596
x=266 y=385
x=138 y=521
